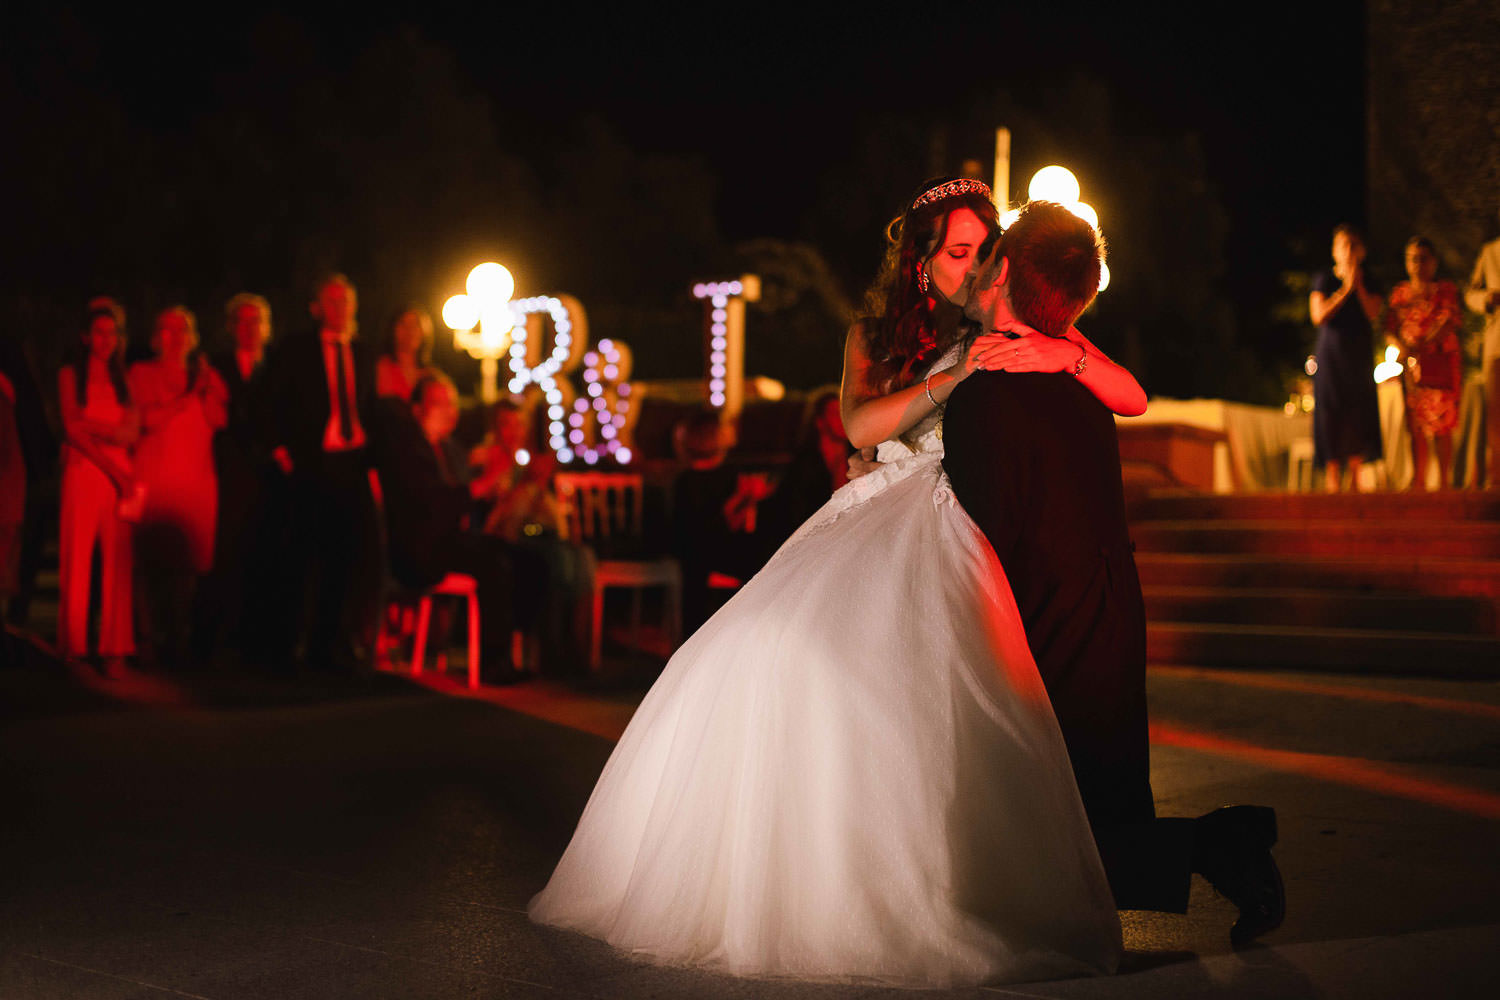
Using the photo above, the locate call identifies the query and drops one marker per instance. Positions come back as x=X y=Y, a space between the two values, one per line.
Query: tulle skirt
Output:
x=850 y=773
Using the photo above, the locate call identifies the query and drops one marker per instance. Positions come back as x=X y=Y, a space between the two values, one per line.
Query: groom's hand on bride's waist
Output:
x=861 y=462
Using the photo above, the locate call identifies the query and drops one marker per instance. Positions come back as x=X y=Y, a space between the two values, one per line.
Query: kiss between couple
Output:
x=913 y=748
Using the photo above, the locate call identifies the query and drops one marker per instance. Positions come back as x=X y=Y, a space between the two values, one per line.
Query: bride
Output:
x=852 y=771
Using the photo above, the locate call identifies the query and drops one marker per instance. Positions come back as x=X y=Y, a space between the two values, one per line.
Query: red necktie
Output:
x=346 y=422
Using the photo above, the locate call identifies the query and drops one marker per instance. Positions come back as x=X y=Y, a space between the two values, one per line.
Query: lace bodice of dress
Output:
x=925 y=437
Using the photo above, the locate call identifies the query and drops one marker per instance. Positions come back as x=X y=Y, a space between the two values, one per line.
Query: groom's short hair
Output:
x=1055 y=258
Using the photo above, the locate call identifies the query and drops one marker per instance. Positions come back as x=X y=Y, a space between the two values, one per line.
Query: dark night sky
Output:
x=1277 y=95
x=776 y=101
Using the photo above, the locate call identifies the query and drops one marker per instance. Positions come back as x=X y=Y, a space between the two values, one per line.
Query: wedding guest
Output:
x=247 y=320
x=522 y=496
x=39 y=452
x=714 y=514
x=557 y=573
x=1346 y=417
x=100 y=423
x=1483 y=297
x=182 y=402
x=248 y=538
x=12 y=490
x=320 y=393
x=427 y=516
x=818 y=467
x=1422 y=318
x=407 y=355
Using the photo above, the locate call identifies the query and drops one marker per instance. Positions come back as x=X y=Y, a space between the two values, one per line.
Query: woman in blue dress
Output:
x=1346 y=418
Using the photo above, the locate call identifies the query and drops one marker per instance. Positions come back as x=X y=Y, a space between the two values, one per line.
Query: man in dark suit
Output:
x=320 y=395
x=1034 y=459
x=231 y=600
x=427 y=507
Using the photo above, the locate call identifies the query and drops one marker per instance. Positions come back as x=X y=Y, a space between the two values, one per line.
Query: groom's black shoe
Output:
x=1233 y=851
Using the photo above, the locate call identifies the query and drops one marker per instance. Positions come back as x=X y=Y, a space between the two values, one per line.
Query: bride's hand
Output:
x=1036 y=352
x=990 y=351
x=983 y=355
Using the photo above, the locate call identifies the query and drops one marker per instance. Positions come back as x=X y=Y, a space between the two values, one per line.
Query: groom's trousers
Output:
x=1089 y=640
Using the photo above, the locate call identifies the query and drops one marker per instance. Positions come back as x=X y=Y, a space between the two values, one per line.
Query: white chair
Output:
x=452 y=585
x=601 y=507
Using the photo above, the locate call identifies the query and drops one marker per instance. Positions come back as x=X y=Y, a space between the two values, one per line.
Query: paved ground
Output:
x=228 y=837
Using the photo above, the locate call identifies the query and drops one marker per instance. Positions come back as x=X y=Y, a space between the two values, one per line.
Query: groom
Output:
x=1034 y=460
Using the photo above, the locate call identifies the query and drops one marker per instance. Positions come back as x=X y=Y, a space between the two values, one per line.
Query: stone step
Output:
x=1321 y=537
x=1387 y=574
x=1322 y=608
x=1452 y=505
x=1323 y=649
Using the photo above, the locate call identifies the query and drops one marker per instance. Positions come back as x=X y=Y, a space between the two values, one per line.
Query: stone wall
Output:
x=1433 y=117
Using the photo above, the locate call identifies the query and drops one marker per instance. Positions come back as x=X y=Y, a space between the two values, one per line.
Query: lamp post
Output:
x=482 y=321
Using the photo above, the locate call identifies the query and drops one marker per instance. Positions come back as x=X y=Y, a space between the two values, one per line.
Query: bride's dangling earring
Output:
x=922 y=280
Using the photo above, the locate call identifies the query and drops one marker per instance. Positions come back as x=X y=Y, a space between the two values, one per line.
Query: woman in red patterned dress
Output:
x=1423 y=320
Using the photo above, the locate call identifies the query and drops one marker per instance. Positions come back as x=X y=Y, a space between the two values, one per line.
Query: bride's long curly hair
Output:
x=905 y=328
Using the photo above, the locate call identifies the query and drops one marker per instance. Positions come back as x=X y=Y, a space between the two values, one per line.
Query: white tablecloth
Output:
x=1257 y=439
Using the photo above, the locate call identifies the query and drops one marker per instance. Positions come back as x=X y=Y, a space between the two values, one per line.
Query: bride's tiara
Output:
x=952 y=189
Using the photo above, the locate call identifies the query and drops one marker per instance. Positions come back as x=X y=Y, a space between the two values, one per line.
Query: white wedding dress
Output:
x=851 y=772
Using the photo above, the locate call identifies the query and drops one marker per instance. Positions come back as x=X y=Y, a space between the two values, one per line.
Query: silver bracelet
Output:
x=927 y=384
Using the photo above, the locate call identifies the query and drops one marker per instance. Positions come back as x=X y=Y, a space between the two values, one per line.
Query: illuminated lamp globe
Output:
x=496 y=321
x=490 y=282
x=460 y=313
x=495 y=336
x=1053 y=183
x=1084 y=211
x=1103 y=276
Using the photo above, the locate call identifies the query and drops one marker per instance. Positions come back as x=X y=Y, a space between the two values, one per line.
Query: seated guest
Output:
x=523 y=510
x=522 y=496
x=713 y=513
x=406 y=356
x=818 y=467
x=427 y=516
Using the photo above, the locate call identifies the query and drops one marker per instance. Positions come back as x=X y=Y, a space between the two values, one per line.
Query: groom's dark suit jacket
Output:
x=1035 y=461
